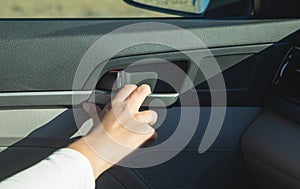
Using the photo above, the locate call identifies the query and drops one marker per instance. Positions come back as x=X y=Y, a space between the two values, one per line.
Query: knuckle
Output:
x=135 y=93
x=129 y=86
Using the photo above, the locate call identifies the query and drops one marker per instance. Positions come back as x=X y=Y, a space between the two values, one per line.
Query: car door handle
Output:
x=101 y=98
x=115 y=79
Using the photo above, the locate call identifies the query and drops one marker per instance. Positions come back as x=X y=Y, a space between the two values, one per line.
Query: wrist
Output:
x=98 y=164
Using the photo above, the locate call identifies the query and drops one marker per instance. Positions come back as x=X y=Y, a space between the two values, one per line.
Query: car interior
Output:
x=257 y=47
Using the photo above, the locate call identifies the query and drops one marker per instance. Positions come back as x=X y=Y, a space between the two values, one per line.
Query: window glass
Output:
x=72 y=9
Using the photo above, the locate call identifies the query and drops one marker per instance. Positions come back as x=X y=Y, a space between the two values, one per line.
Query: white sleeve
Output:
x=65 y=169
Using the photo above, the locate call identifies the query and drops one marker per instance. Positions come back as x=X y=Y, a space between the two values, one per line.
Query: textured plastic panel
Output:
x=220 y=167
x=51 y=50
x=187 y=170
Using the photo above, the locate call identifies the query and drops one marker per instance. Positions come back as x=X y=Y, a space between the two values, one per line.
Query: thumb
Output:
x=148 y=116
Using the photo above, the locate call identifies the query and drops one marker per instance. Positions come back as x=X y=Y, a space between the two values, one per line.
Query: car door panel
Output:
x=39 y=61
x=61 y=45
x=250 y=62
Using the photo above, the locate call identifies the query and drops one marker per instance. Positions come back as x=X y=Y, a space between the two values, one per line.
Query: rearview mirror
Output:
x=177 y=7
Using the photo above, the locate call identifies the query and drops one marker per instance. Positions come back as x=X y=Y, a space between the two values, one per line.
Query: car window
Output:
x=72 y=9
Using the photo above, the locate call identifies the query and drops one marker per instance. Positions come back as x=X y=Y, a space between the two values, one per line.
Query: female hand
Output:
x=119 y=129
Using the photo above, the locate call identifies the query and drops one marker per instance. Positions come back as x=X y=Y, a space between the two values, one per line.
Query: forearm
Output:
x=65 y=168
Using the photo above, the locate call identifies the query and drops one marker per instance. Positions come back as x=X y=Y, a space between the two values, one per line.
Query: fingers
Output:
x=124 y=92
x=138 y=96
x=150 y=140
x=148 y=116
